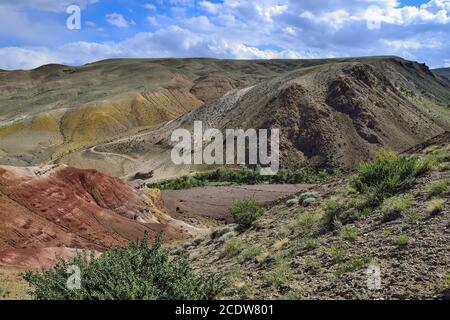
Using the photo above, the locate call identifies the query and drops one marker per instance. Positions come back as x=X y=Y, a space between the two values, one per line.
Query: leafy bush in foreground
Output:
x=245 y=212
x=137 y=271
x=387 y=174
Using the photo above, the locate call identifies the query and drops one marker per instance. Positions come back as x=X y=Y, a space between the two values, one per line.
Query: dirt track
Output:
x=214 y=201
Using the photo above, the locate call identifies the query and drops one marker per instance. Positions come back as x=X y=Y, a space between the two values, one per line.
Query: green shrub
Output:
x=436 y=188
x=393 y=207
x=402 y=240
x=349 y=233
x=293 y=295
x=179 y=184
x=245 y=176
x=252 y=252
x=336 y=253
x=387 y=174
x=137 y=271
x=233 y=247
x=352 y=265
x=344 y=211
x=245 y=212
x=435 y=206
x=304 y=223
x=280 y=275
x=309 y=244
x=332 y=211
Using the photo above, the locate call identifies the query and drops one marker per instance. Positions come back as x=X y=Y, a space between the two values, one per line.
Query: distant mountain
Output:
x=116 y=115
x=443 y=72
x=333 y=114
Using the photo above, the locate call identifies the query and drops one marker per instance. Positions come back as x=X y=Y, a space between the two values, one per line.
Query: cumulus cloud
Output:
x=25 y=58
x=49 y=5
x=256 y=29
x=170 y=42
x=117 y=20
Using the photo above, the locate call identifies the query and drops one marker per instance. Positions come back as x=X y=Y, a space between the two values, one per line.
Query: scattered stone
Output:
x=309 y=201
x=197 y=241
x=292 y=202
x=308 y=194
x=220 y=232
x=227 y=236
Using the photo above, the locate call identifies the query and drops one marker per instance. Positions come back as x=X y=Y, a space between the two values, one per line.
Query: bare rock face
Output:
x=61 y=209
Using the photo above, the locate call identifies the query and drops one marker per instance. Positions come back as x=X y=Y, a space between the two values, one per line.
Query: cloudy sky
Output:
x=35 y=32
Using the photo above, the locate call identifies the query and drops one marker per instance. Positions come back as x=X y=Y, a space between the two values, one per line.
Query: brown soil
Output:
x=214 y=201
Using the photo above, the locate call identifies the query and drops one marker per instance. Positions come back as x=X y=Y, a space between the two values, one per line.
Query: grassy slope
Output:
x=279 y=258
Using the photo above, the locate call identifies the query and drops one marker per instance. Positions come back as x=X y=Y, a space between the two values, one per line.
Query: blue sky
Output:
x=34 y=32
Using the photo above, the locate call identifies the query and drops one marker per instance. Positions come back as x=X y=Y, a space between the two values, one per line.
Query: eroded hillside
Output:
x=54 y=110
x=331 y=114
x=326 y=247
x=56 y=210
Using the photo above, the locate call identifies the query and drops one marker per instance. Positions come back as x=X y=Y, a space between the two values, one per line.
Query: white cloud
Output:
x=25 y=58
x=117 y=20
x=290 y=31
x=49 y=5
x=150 y=6
x=249 y=29
x=413 y=44
x=212 y=8
x=268 y=12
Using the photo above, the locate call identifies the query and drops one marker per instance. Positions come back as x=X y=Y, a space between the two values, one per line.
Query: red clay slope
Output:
x=61 y=208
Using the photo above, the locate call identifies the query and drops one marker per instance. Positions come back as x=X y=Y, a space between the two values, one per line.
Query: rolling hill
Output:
x=117 y=115
x=331 y=114
x=443 y=72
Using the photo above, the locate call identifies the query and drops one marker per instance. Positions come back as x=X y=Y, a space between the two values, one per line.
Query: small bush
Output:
x=137 y=271
x=435 y=206
x=309 y=244
x=252 y=252
x=245 y=212
x=436 y=188
x=352 y=265
x=402 y=240
x=393 y=207
x=293 y=295
x=280 y=275
x=387 y=174
x=344 y=211
x=305 y=223
x=336 y=253
x=332 y=211
x=233 y=247
x=349 y=233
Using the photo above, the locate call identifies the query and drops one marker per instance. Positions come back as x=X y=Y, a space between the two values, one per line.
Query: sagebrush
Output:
x=137 y=271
